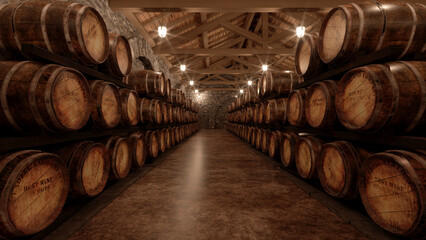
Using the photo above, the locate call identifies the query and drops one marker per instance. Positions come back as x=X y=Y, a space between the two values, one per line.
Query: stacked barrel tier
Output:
x=356 y=29
x=67 y=29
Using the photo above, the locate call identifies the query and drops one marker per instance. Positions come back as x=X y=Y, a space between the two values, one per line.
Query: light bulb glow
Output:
x=300 y=31
x=287 y=71
x=250 y=82
x=264 y=67
x=196 y=90
x=191 y=83
x=162 y=31
x=236 y=96
x=183 y=67
x=241 y=90
x=199 y=96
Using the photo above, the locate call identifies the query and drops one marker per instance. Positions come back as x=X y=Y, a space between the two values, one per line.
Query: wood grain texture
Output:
x=288 y=145
x=372 y=97
x=320 y=108
x=119 y=60
x=51 y=97
x=34 y=187
x=392 y=191
x=307 y=153
x=106 y=104
x=88 y=164
x=130 y=107
x=148 y=83
x=120 y=155
x=307 y=60
x=138 y=149
x=296 y=107
x=338 y=167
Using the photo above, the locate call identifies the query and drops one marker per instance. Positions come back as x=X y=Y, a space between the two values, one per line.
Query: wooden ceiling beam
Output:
x=242 y=32
x=203 y=17
x=221 y=71
x=177 y=41
x=222 y=5
x=265 y=30
x=218 y=89
x=223 y=51
x=203 y=82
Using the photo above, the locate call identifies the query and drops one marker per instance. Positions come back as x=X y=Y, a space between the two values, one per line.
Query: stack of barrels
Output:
x=381 y=99
x=48 y=99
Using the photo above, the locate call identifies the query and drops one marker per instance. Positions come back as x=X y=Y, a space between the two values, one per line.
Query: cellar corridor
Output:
x=214 y=186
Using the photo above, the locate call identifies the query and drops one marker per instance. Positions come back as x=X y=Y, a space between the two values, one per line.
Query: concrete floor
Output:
x=215 y=187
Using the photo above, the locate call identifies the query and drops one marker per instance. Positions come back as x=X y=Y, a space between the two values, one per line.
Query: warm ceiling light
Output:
x=199 y=96
x=191 y=83
x=241 y=90
x=287 y=71
x=183 y=67
x=300 y=31
x=264 y=67
x=162 y=31
x=236 y=96
x=250 y=82
x=196 y=90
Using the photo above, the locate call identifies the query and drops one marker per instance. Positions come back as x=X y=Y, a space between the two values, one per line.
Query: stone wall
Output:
x=118 y=23
x=213 y=107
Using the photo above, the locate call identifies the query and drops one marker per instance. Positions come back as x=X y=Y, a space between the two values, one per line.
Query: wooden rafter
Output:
x=223 y=51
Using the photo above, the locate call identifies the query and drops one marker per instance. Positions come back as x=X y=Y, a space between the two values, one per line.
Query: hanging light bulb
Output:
x=287 y=71
x=264 y=67
x=162 y=31
x=250 y=82
x=236 y=96
x=196 y=90
x=183 y=67
x=241 y=90
x=191 y=83
x=300 y=31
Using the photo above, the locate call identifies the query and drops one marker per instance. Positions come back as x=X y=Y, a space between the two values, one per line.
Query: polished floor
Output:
x=215 y=187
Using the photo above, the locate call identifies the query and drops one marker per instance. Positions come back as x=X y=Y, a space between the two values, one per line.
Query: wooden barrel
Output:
x=338 y=168
x=320 y=109
x=67 y=29
x=168 y=89
x=152 y=141
x=288 y=143
x=170 y=113
x=167 y=132
x=49 y=97
x=392 y=94
x=253 y=137
x=173 y=96
x=148 y=83
x=129 y=107
x=165 y=113
x=259 y=138
x=296 y=107
x=266 y=137
x=307 y=153
x=161 y=139
x=362 y=28
x=138 y=149
x=119 y=60
x=34 y=187
x=177 y=135
x=88 y=165
x=274 y=144
x=120 y=155
x=276 y=84
x=150 y=111
x=173 y=135
x=275 y=111
x=307 y=60
x=261 y=111
x=392 y=188
x=106 y=104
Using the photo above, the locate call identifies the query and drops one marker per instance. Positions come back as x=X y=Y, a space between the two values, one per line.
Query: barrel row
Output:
x=352 y=30
x=348 y=171
x=386 y=96
x=71 y=30
x=47 y=97
x=79 y=170
x=153 y=84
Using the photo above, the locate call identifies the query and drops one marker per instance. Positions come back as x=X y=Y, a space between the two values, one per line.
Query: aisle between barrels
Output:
x=215 y=187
